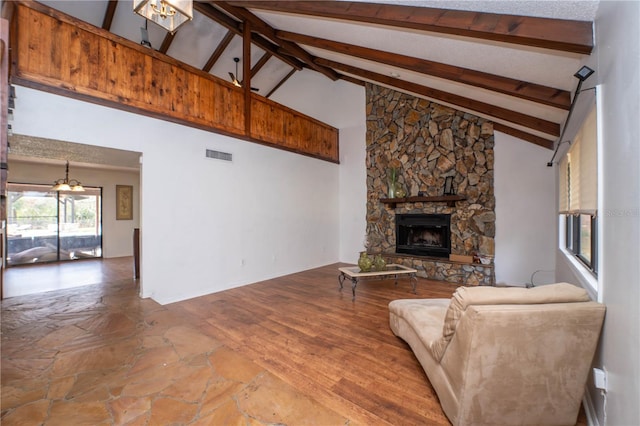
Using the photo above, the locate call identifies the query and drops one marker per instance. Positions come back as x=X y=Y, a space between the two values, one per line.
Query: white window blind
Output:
x=564 y=184
x=579 y=173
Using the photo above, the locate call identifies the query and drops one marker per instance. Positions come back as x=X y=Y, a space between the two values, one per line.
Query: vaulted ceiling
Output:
x=509 y=61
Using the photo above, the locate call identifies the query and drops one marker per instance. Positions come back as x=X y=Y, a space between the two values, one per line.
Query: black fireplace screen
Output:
x=423 y=234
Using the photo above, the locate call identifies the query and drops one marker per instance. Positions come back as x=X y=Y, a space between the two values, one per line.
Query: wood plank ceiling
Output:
x=514 y=69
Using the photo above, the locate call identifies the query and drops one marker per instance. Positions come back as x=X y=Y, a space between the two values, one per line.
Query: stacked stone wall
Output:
x=429 y=142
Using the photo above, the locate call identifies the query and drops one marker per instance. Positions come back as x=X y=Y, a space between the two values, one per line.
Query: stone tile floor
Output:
x=100 y=355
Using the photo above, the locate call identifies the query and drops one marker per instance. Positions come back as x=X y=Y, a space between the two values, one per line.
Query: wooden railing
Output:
x=57 y=53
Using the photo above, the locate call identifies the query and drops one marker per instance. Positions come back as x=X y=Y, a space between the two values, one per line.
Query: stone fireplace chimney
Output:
x=431 y=142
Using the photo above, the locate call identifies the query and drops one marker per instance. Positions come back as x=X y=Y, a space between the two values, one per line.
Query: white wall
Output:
x=117 y=235
x=342 y=105
x=616 y=60
x=206 y=225
x=353 y=192
x=525 y=212
x=618 y=67
x=337 y=103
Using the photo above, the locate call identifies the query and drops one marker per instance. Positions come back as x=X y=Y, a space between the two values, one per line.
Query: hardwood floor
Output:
x=292 y=350
x=338 y=351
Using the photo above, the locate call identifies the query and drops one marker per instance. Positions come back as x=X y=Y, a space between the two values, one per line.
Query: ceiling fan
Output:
x=234 y=80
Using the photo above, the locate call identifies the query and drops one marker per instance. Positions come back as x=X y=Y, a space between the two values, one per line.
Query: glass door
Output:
x=45 y=225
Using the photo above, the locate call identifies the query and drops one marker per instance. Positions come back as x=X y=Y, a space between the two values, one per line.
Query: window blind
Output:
x=578 y=190
x=563 y=204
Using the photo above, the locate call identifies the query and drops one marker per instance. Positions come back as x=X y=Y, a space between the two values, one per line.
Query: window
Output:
x=45 y=226
x=586 y=224
x=578 y=194
x=580 y=238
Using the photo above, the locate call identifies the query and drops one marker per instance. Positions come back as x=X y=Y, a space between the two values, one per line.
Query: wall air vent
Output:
x=218 y=155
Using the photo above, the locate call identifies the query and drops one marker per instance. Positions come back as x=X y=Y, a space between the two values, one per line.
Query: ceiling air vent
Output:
x=218 y=155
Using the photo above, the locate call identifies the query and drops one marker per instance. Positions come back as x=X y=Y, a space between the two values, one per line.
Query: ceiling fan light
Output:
x=169 y=14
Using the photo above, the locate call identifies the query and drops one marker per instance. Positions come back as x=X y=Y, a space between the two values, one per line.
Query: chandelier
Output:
x=169 y=14
x=66 y=184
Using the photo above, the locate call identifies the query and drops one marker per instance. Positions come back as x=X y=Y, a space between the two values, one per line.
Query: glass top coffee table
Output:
x=354 y=274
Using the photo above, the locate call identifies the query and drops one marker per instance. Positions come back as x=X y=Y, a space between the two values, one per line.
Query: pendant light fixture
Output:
x=169 y=14
x=66 y=184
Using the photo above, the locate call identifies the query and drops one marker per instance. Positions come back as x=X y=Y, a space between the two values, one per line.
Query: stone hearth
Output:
x=429 y=142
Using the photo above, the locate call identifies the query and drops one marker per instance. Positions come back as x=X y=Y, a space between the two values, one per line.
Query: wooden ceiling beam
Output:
x=235 y=26
x=246 y=75
x=352 y=80
x=166 y=43
x=521 y=89
x=261 y=63
x=4 y=115
x=293 y=71
x=214 y=14
x=545 y=143
x=504 y=114
x=109 y=14
x=218 y=52
x=265 y=29
x=557 y=34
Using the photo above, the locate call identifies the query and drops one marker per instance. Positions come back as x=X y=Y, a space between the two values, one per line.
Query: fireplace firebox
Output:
x=423 y=234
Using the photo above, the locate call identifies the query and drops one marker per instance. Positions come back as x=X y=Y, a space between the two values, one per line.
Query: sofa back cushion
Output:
x=467 y=296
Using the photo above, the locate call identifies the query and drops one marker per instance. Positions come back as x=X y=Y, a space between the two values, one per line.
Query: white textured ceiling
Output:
x=580 y=10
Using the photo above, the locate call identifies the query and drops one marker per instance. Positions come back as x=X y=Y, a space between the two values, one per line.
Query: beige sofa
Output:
x=504 y=356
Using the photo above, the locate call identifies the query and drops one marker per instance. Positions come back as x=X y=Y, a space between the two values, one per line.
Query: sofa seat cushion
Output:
x=424 y=315
x=467 y=296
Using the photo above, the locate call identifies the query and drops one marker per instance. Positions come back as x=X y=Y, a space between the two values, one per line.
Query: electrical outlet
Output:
x=600 y=379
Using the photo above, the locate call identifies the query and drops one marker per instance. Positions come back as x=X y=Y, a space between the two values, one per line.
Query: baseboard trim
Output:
x=589 y=409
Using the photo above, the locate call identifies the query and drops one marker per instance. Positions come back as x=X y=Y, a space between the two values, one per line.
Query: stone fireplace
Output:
x=428 y=143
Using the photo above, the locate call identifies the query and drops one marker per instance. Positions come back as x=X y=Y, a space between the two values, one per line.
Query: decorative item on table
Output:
x=448 y=186
x=365 y=262
x=379 y=264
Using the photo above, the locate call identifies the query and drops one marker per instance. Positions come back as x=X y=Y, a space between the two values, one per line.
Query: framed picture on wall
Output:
x=124 y=202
